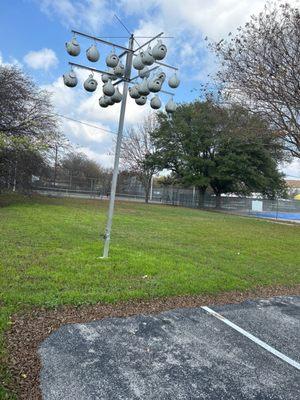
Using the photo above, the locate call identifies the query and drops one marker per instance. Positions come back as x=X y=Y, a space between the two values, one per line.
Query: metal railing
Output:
x=286 y=209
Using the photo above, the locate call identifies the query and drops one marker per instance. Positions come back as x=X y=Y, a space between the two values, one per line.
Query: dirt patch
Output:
x=30 y=329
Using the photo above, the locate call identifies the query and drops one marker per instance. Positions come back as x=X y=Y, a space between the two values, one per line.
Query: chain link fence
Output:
x=284 y=209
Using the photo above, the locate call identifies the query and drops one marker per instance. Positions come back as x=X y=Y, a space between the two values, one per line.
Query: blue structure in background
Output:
x=279 y=215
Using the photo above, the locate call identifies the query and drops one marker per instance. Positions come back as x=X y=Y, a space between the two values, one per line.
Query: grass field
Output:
x=49 y=253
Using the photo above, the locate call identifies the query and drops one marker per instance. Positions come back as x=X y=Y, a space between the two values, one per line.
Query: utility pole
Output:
x=118 y=150
x=55 y=164
x=129 y=52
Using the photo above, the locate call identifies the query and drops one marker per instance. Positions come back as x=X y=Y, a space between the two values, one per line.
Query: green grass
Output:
x=49 y=253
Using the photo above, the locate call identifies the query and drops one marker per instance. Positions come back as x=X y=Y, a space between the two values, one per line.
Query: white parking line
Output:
x=253 y=338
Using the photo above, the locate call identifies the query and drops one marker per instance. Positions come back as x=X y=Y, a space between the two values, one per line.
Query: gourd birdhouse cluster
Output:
x=152 y=82
x=148 y=82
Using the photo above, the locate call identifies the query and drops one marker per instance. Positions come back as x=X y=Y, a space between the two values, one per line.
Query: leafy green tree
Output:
x=228 y=149
x=184 y=144
x=244 y=168
x=19 y=161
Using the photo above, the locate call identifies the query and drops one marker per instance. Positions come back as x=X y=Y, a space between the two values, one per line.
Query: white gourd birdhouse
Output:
x=90 y=84
x=112 y=72
x=174 y=81
x=143 y=88
x=147 y=57
x=70 y=79
x=133 y=92
x=108 y=88
x=170 y=106
x=141 y=100
x=137 y=62
x=102 y=102
x=144 y=73
x=119 y=70
x=155 y=102
x=109 y=100
x=161 y=76
x=154 y=85
x=159 y=51
x=73 y=47
x=116 y=70
x=112 y=60
x=104 y=78
x=92 y=53
x=117 y=96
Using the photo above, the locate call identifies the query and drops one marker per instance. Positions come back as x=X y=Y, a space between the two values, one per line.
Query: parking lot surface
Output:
x=179 y=354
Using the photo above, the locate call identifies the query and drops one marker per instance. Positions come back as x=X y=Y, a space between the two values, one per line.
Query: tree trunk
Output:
x=15 y=177
x=218 y=200
x=147 y=190
x=201 y=194
x=147 y=197
x=8 y=181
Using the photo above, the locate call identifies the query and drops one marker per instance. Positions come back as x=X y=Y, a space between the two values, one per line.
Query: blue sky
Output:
x=33 y=34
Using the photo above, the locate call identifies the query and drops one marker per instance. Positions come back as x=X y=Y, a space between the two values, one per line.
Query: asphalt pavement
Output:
x=246 y=351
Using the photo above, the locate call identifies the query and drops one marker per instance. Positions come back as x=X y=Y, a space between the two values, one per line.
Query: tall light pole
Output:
x=70 y=80
x=118 y=150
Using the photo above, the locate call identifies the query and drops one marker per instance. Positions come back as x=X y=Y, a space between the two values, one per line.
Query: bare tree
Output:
x=25 y=110
x=77 y=171
x=28 y=127
x=137 y=146
x=261 y=68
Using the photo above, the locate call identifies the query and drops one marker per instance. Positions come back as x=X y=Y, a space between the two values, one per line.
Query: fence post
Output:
x=194 y=193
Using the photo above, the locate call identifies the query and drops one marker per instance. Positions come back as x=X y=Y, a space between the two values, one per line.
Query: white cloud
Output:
x=83 y=106
x=91 y=110
x=104 y=159
x=209 y=17
x=83 y=13
x=214 y=18
x=137 y=6
x=188 y=21
x=12 y=61
x=41 y=59
x=292 y=169
x=77 y=104
x=83 y=132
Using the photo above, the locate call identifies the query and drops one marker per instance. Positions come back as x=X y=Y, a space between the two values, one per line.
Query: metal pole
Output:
x=151 y=188
x=102 y=41
x=100 y=71
x=55 y=165
x=118 y=150
x=194 y=194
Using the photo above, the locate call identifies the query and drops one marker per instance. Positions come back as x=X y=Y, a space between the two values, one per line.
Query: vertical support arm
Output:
x=117 y=152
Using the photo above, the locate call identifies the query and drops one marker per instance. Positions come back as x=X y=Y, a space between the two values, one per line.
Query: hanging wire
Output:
x=84 y=123
x=150 y=37
x=125 y=27
x=113 y=37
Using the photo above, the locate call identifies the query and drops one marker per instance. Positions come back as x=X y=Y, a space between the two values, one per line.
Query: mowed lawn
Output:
x=50 y=249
